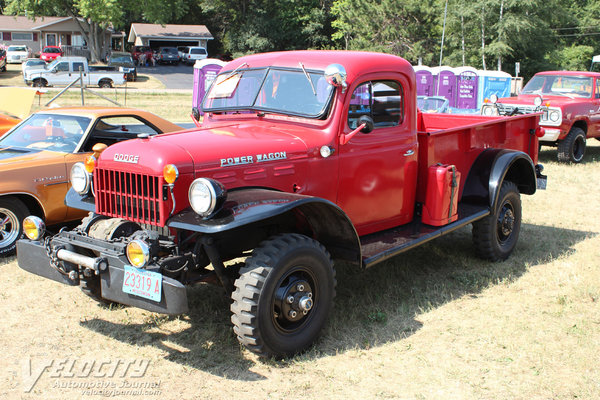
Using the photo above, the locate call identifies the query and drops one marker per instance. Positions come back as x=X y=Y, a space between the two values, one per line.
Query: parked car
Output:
x=433 y=104
x=36 y=155
x=168 y=55
x=570 y=103
x=65 y=70
x=31 y=63
x=137 y=50
x=125 y=62
x=2 y=60
x=16 y=54
x=51 y=53
x=193 y=54
x=7 y=122
x=181 y=50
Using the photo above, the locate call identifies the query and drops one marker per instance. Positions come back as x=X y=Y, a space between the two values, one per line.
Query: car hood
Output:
x=17 y=157
x=199 y=150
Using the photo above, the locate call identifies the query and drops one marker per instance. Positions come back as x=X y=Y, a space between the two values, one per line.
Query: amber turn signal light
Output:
x=89 y=163
x=170 y=173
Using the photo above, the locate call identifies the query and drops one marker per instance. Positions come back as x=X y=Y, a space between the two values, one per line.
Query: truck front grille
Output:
x=505 y=109
x=130 y=196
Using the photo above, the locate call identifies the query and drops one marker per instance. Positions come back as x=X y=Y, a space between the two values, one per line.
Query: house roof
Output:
x=169 y=31
x=20 y=23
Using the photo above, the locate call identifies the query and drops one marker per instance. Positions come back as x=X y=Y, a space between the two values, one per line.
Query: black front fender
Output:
x=75 y=200
x=494 y=166
x=244 y=207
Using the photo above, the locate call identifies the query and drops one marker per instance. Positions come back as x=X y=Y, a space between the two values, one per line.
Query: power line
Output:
x=574 y=27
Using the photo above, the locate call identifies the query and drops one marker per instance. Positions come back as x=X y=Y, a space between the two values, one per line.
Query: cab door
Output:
x=594 y=130
x=60 y=74
x=378 y=169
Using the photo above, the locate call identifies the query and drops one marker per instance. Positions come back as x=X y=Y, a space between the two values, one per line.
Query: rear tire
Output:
x=496 y=235
x=105 y=84
x=572 y=148
x=283 y=268
x=12 y=213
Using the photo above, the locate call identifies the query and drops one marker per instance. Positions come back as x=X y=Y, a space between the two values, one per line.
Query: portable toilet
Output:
x=205 y=72
x=493 y=82
x=445 y=84
x=467 y=81
x=424 y=78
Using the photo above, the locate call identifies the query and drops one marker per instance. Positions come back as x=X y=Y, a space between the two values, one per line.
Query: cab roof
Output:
x=571 y=73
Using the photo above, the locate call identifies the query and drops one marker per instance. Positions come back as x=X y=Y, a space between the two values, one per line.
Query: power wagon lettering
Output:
x=232 y=161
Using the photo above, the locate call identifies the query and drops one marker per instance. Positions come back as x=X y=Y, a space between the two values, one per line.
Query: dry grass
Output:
x=435 y=323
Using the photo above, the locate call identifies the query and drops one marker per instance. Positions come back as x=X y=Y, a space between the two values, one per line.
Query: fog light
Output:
x=34 y=227
x=138 y=253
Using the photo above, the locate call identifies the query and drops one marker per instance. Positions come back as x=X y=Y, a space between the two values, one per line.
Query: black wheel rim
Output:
x=295 y=300
x=506 y=222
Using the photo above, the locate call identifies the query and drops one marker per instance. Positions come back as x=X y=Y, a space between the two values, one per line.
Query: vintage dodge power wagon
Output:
x=303 y=158
x=570 y=105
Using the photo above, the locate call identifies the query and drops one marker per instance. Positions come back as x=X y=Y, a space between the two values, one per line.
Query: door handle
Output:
x=409 y=153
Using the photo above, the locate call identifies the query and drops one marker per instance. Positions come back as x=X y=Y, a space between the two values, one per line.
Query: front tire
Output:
x=572 y=148
x=12 y=213
x=496 y=235
x=283 y=296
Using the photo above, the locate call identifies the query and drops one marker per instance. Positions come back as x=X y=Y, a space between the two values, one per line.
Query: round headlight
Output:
x=206 y=196
x=138 y=253
x=537 y=101
x=554 y=116
x=80 y=178
x=494 y=98
x=488 y=110
x=34 y=227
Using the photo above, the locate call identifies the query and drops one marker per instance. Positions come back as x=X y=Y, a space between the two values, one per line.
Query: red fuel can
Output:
x=441 y=200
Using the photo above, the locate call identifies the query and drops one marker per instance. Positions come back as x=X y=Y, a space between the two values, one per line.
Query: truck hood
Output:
x=198 y=150
x=31 y=71
x=555 y=101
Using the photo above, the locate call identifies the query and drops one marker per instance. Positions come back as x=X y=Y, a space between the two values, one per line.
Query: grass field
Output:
x=434 y=323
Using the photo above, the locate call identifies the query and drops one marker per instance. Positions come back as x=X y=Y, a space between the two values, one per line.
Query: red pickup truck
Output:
x=304 y=158
x=570 y=106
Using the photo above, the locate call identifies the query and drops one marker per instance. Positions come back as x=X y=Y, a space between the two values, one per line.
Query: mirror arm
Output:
x=346 y=138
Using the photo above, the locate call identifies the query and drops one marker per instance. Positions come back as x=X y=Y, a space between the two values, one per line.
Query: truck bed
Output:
x=459 y=139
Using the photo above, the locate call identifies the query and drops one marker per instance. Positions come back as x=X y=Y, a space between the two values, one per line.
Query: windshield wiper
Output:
x=232 y=73
x=308 y=78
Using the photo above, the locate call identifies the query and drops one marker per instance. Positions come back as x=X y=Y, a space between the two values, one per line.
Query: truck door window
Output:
x=77 y=65
x=381 y=100
x=63 y=66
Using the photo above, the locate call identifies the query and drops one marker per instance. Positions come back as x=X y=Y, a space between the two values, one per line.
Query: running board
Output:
x=380 y=246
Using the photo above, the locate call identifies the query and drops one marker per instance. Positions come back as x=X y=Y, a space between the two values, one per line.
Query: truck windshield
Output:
x=290 y=92
x=560 y=85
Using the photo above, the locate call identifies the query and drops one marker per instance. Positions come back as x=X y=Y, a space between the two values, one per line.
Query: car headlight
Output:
x=34 y=227
x=554 y=116
x=488 y=110
x=138 y=253
x=80 y=178
x=206 y=196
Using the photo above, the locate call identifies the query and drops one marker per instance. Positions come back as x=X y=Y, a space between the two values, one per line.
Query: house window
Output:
x=6 y=36
x=77 y=40
x=22 y=36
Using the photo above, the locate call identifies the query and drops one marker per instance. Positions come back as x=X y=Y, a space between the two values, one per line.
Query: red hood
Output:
x=206 y=149
x=555 y=101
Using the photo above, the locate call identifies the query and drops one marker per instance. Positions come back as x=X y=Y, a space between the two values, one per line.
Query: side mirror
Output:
x=368 y=123
x=335 y=74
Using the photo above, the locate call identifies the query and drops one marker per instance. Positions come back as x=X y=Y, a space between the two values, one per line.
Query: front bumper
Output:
x=33 y=257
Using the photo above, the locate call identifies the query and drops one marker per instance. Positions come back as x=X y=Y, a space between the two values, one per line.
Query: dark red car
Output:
x=137 y=50
x=51 y=53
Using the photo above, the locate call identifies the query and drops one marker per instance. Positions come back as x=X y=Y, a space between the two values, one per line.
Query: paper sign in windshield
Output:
x=225 y=86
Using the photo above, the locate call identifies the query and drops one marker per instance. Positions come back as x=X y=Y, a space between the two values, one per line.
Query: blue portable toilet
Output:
x=424 y=78
x=493 y=82
x=467 y=81
x=445 y=84
x=205 y=72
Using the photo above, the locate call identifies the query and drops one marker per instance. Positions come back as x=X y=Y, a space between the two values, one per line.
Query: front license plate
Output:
x=542 y=182
x=142 y=283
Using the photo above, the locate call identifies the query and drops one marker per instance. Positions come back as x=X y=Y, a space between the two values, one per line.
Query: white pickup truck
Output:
x=65 y=70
